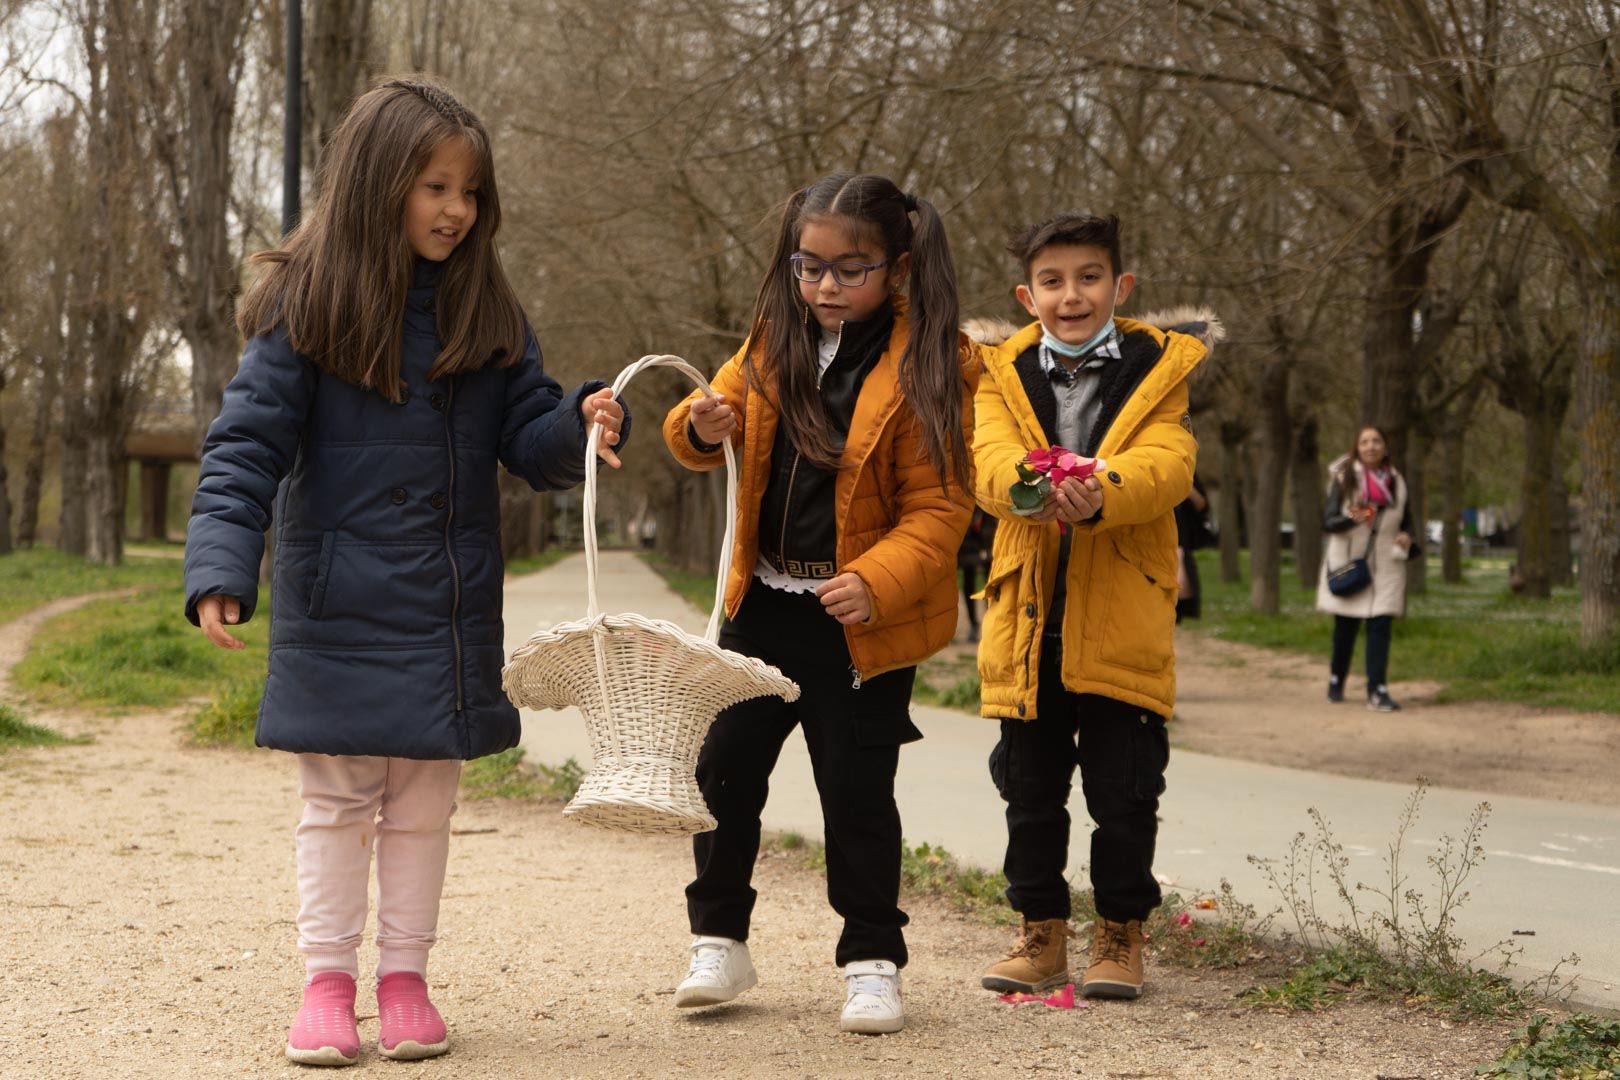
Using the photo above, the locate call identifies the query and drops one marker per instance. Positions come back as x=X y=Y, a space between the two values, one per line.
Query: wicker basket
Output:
x=648 y=689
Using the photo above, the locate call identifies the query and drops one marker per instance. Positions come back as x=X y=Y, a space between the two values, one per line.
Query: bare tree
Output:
x=187 y=93
x=1547 y=142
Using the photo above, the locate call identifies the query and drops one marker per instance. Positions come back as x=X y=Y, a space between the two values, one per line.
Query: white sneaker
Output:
x=720 y=970
x=872 y=1005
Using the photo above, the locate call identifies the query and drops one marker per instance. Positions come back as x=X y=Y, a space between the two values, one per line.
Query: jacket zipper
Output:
x=793 y=471
x=449 y=544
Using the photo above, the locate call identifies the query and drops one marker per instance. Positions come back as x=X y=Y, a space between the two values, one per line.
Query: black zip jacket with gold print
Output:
x=798 y=527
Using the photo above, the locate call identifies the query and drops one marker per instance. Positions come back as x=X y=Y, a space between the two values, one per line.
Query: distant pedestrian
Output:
x=1370 y=538
x=850 y=406
x=388 y=370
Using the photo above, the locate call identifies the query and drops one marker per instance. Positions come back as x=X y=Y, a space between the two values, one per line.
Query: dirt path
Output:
x=1255 y=704
x=149 y=894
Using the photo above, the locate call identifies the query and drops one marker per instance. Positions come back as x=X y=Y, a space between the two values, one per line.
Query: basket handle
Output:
x=727 y=540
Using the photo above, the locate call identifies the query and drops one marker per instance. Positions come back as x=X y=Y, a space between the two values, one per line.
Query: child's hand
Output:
x=212 y=614
x=1077 y=500
x=600 y=408
x=845 y=598
x=713 y=419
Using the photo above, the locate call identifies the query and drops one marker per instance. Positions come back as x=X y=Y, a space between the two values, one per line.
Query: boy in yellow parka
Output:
x=1076 y=655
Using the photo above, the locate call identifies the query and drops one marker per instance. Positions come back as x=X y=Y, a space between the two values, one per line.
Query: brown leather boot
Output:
x=1039 y=960
x=1115 y=970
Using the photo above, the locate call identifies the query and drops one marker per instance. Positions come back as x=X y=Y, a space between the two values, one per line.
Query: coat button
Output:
x=428 y=303
x=1114 y=477
x=1020 y=708
x=404 y=394
x=398 y=495
x=1029 y=609
x=437 y=401
x=437 y=500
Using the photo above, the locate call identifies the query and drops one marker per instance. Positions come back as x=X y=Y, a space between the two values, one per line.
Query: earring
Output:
x=804 y=314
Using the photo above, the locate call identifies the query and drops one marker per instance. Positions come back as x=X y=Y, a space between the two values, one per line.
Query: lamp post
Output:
x=293 y=116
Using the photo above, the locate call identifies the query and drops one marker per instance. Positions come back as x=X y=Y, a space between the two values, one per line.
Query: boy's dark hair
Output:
x=1085 y=229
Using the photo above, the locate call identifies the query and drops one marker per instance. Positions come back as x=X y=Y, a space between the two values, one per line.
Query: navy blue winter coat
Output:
x=386 y=633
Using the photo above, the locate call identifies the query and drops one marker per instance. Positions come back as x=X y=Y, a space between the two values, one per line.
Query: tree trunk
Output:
x=104 y=518
x=34 y=466
x=5 y=495
x=1390 y=371
x=1307 y=488
x=1535 y=509
x=1452 y=450
x=1560 y=558
x=1229 y=501
x=1597 y=403
x=1270 y=476
x=339 y=55
x=1417 y=502
x=75 y=457
x=212 y=36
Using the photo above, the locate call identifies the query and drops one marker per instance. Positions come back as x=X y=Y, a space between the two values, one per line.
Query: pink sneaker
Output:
x=324 y=1031
x=411 y=1027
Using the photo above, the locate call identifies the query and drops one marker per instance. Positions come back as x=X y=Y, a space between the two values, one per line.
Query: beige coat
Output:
x=1387 y=593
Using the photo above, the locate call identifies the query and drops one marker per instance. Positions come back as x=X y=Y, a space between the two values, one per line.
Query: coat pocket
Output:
x=1138 y=628
x=323 y=571
x=1004 y=604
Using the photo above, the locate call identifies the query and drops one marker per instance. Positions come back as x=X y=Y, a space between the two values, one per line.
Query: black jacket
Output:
x=798 y=521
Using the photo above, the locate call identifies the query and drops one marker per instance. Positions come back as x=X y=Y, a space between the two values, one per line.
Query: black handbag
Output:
x=1356 y=574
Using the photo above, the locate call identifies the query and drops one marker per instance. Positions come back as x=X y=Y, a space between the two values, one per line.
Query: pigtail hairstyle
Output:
x=785 y=337
x=337 y=283
x=931 y=374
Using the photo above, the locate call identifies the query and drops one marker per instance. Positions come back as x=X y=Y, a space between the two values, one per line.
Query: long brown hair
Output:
x=1347 y=475
x=786 y=337
x=337 y=283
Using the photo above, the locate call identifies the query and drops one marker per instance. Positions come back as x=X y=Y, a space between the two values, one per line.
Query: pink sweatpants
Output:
x=404 y=807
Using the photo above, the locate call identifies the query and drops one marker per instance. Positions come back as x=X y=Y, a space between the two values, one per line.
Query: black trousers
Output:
x=854 y=738
x=1122 y=752
x=1345 y=628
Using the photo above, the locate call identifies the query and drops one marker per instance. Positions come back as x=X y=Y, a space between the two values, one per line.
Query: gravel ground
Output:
x=149 y=896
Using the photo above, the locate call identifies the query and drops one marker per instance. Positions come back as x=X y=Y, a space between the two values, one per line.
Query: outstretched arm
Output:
x=542 y=429
x=249 y=448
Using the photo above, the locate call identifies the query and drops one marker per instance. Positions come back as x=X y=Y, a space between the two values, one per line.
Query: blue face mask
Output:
x=1075 y=352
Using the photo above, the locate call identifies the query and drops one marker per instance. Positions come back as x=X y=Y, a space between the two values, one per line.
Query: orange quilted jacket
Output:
x=899 y=525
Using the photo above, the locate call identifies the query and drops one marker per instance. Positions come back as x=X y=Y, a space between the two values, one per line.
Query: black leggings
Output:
x=1345 y=629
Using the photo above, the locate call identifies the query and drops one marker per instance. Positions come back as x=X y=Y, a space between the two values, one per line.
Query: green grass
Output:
x=1583 y=1046
x=136 y=652
x=507 y=776
x=37 y=576
x=16 y=731
x=533 y=564
x=1353 y=972
x=230 y=716
x=1477 y=638
x=696 y=589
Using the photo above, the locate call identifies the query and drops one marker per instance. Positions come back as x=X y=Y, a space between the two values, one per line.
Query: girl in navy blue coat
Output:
x=389 y=367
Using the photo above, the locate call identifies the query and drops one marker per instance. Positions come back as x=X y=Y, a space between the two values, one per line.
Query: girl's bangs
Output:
x=857 y=230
